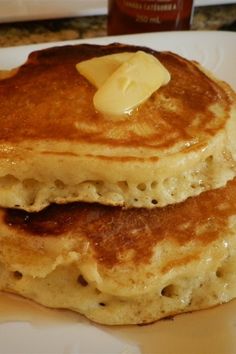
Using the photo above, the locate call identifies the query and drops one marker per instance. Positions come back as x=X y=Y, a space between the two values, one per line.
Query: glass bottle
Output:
x=137 y=16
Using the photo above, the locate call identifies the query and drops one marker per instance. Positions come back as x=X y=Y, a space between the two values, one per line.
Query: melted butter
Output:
x=124 y=81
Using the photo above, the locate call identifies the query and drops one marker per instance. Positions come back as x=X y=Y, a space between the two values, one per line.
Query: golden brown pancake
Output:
x=123 y=266
x=54 y=146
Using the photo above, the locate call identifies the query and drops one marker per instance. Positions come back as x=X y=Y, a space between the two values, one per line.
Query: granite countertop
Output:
x=12 y=34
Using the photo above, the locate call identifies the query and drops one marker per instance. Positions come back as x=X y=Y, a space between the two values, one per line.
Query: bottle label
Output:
x=150 y=11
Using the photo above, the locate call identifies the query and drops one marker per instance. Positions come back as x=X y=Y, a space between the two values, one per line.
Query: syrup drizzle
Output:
x=17 y=309
x=144 y=339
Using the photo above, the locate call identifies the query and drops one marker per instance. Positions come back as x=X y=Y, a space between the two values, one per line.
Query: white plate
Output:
x=206 y=332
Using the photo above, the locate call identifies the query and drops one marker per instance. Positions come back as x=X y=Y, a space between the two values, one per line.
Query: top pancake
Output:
x=54 y=146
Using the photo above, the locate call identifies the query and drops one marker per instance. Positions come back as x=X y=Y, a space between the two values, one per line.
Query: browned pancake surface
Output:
x=48 y=99
x=112 y=231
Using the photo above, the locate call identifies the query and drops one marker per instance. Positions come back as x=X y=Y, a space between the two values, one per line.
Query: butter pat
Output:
x=98 y=70
x=132 y=83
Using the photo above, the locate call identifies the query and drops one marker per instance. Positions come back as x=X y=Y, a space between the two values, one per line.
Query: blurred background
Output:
x=37 y=21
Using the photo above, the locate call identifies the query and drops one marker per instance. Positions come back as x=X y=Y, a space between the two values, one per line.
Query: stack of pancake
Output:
x=125 y=221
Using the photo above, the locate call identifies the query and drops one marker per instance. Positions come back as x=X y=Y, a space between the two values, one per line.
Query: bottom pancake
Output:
x=123 y=266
